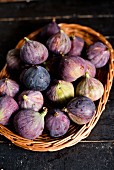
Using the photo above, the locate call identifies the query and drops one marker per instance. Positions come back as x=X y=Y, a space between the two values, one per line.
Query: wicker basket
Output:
x=75 y=133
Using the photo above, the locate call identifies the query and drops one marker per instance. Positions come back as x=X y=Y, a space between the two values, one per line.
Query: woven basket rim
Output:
x=72 y=139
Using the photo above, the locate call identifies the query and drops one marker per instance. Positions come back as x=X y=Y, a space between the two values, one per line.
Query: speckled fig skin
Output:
x=7 y=107
x=59 y=43
x=60 y=92
x=90 y=87
x=77 y=45
x=98 y=54
x=50 y=29
x=36 y=78
x=33 y=52
x=8 y=87
x=13 y=59
x=57 y=123
x=91 y=69
x=71 y=68
x=81 y=110
x=29 y=124
x=31 y=100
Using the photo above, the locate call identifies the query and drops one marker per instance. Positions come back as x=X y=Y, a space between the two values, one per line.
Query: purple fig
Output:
x=91 y=69
x=81 y=110
x=71 y=68
x=57 y=123
x=90 y=87
x=98 y=54
x=61 y=92
x=33 y=52
x=50 y=29
x=7 y=107
x=59 y=43
x=13 y=59
x=29 y=124
x=77 y=45
x=36 y=78
x=8 y=87
x=31 y=100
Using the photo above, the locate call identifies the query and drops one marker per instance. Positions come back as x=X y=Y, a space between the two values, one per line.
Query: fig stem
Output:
x=44 y=112
x=6 y=80
x=26 y=39
x=54 y=19
x=64 y=109
x=56 y=114
x=25 y=97
x=87 y=75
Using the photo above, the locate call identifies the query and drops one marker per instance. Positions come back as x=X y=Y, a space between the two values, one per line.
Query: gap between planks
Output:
x=57 y=17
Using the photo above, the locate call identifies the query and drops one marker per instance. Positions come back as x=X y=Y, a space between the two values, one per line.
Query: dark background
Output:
x=18 y=19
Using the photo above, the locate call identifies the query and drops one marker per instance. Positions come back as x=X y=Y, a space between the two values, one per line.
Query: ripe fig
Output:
x=90 y=87
x=71 y=68
x=59 y=43
x=13 y=59
x=98 y=54
x=33 y=52
x=81 y=109
x=29 y=124
x=31 y=100
x=57 y=123
x=61 y=92
x=36 y=78
x=91 y=69
x=7 y=107
x=77 y=45
x=50 y=29
x=8 y=87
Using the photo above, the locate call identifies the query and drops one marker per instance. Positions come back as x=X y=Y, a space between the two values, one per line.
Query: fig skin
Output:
x=60 y=92
x=50 y=29
x=90 y=87
x=31 y=100
x=8 y=87
x=36 y=78
x=77 y=45
x=7 y=107
x=59 y=43
x=71 y=68
x=98 y=54
x=13 y=59
x=33 y=52
x=81 y=110
x=29 y=124
x=57 y=123
x=91 y=69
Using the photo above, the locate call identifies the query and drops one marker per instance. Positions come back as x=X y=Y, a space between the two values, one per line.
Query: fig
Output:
x=57 y=123
x=31 y=100
x=90 y=87
x=98 y=53
x=61 y=92
x=13 y=59
x=50 y=29
x=91 y=69
x=8 y=87
x=77 y=45
x=36 y=78
x=7 y=107
x=81 y=110
x=29 y=124
x=71 y=68
x=33 y=52
x=59 y=43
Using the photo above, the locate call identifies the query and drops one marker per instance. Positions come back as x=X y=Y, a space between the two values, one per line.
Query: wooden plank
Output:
x=96 y=156
x=54 y=8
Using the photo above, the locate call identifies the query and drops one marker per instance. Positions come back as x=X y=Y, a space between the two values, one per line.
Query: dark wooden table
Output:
x=18 y=19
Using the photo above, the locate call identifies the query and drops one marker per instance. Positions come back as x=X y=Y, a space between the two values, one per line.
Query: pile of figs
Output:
x=55 y=84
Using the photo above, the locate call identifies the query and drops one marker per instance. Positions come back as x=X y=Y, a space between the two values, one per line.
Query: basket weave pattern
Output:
x=75 y=133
